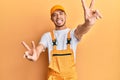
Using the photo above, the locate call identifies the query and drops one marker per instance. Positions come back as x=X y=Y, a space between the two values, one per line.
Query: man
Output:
x=62 y=42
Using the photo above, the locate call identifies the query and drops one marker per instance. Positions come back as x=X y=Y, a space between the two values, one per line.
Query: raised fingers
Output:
x=25 y=45
x=84 y=4
x=33 y=44
x=92 y=4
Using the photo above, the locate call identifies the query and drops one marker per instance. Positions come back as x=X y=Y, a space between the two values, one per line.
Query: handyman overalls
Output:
x=62 y=65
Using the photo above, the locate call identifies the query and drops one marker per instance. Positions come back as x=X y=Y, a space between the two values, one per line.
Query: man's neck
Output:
x=60 y=28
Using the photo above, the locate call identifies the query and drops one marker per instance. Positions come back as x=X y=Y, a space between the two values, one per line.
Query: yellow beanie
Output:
x=56 y=7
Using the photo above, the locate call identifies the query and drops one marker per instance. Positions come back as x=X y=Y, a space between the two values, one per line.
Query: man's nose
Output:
x=58 y=16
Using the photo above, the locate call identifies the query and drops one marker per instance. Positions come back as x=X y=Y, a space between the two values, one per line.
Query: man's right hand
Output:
x=31 y=53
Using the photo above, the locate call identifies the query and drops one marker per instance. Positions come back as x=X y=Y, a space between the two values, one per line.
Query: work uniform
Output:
x=62 y=65
x=61 y=57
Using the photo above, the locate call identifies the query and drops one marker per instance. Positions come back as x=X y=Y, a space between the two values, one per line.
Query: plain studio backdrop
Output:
x=98 y=53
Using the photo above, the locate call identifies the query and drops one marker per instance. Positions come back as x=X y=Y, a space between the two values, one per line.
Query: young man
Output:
x=62 y=42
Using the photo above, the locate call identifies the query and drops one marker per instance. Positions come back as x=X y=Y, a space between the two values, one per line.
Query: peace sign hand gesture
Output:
x=31 y=53
x=90 y=15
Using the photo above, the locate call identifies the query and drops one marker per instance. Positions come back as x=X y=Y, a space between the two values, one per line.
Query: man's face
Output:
x=59 y=18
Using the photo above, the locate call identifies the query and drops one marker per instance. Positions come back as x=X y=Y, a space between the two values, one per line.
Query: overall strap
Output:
x=68 y=40
x=53 y=40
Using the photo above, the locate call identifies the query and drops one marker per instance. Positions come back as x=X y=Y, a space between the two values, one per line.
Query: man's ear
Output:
x=51 y=19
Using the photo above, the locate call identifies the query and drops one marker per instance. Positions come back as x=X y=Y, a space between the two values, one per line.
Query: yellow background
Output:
x=98 y=55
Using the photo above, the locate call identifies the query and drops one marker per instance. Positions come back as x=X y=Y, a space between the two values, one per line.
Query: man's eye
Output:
x=54 y=15
x=61 y=13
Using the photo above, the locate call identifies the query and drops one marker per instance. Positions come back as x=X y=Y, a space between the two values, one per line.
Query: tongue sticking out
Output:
x=59 y=21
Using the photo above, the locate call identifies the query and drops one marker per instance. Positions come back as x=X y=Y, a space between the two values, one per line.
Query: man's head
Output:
x=58 y=15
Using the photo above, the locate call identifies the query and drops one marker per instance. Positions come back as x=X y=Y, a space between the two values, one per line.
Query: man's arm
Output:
x=80 y=30
x=40 y=48
x=90 y=17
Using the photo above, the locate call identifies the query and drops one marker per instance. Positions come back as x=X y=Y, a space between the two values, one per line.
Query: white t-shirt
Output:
x=61 y=38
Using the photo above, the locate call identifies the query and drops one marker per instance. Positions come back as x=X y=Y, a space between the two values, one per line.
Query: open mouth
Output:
x=59 y=21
